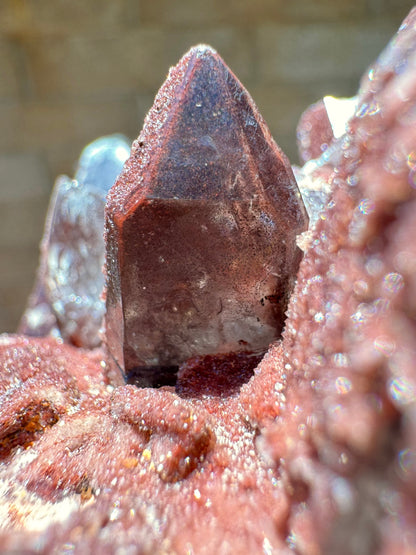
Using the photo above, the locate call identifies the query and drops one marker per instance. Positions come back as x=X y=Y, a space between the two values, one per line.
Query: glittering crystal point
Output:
x=200 y=227
x=101 y=162
x=67 y=296
x=322 y=140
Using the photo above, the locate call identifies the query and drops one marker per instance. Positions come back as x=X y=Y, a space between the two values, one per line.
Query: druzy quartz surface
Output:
x=200 y=227
x=314 y=454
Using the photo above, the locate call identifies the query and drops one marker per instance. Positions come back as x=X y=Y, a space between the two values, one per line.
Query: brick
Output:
x=12 y=302
x=182 y=14
x=9 y=318
x=60 y=122
x=98 y=67
x=17 y=274
x=395 y=9
x=21 y=222
x=135 y=62
x=302 y=54
x=6 y=318
x=9 y=87
x=60 y=17
x=23 y=176
x=18 y=264
x=10 y=118
x=246 y=12
x=308 y=11
x=13 y=298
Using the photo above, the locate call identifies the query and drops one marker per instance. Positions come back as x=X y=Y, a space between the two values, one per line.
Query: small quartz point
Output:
x=66 y=300
x=101 y=162
x=322 y=139
x=201 y=228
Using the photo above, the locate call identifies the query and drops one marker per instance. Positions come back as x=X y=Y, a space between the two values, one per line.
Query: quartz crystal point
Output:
x=101 y=162
x=200 y=228
x=322 y=139
x=66 y=300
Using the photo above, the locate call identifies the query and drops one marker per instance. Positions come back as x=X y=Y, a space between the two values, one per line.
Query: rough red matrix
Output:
x=314 y=132
x=314 y=454
x=201 y=227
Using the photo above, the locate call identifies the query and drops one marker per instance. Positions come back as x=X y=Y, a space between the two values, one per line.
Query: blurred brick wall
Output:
x=71 y=70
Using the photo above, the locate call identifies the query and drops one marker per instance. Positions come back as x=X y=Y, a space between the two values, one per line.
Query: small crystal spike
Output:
x=66 y=300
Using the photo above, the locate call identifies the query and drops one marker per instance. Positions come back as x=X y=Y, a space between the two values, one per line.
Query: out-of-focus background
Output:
x=72 y=70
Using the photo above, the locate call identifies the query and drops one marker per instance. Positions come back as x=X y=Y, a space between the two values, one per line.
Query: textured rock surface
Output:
x=314 y=132
x=314 y=454
x=321 y=132
x=201 y=227
x=346 y=434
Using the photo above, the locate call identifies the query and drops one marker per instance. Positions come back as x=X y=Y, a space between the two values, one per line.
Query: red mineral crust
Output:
x=201 y=227
x=346 y=435
x=316 y=453
x=314 y=132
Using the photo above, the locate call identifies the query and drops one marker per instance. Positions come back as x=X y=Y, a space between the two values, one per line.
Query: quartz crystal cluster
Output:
x=312 y=452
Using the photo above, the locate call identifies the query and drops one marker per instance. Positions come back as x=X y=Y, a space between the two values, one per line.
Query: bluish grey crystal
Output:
x=101 y=162
x=70 y=278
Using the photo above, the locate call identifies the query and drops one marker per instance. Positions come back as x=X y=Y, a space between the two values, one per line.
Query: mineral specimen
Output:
x=316 y=453
x=321 y=123
x=321 y=135
x=314 y=132
x=201 y=228
x=66 y=300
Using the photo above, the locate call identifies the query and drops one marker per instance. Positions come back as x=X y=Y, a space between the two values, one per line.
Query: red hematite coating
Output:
x=314 y=132
x=200 y=226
